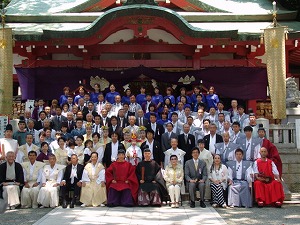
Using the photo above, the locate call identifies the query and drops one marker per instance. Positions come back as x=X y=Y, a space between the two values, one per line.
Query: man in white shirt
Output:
x=117 y=105
x=32 y=177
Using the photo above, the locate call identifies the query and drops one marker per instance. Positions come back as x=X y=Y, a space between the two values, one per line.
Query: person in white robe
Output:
x=22 y=155
x=11 y=178
x=32 y=179
x=174 y=150
x=51 y=177
x=93 y=191
x=7 y=144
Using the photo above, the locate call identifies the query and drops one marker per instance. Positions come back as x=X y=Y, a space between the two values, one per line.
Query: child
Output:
x=134 y=153
x=88 y=149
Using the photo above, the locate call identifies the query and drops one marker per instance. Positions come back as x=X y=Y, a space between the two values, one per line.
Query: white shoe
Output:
x=214 y=205
x=173 y=205
x=83 y=205
x=232 y=206
x=176 y=205
x=13 y=207
x=41 y=207
x=102 y=205
x=224 y=206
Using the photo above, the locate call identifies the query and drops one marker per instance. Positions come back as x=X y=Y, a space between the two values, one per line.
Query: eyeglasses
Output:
x=173 y=159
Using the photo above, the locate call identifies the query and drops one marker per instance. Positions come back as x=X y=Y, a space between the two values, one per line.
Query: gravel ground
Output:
x=288 y=214
x=22 y=216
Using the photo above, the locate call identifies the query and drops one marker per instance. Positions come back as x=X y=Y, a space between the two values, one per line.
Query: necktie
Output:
x=247 y=146
x=121 y=122
x=141 y=123
x=96 y=130
x=196 y=165
x=69 y=125
x=169 y=135
x=58 y=119
x=185 y=138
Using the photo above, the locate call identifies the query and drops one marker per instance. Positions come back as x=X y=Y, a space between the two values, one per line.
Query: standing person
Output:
x=121 y=182
x=61 y=153
x=174 y=177
x=207 y=157
x=51 y=177
x=126 y=97
x=273 y=153
x=20 y=134
x=93 y=183
x=58 y=119
x=7 y=144
x=94 y=95
x=22 y=154
x=44 y=153
x=141 y=98
x=111 y=150
x=212 y=138
x=174 y=150
x=11 y=179
x=157 y=98
x=157 y=128
x=226 y=149
x=169 y=94
x=152 y=185
x=32 y=178
x=267 y=185
x=239 y=178
x=196 y=174
x=134 y=153
x=167 y=136
x=237 y=134
x=212 y=99
x=218 y=182
x=110 y=96
x=186 y=142
x=64 y=97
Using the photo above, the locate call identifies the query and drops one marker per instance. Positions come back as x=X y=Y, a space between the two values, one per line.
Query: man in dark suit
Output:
x=212 y=138
x=91 y=110
x=58 y=119
x=72 y=181
x=154 y=147
x=40 y=123
x=195 y=173
x=71 y=122
x=81 y=106
x=111 y=150
x=157 y=128
x=186 y=142
x=114 y=127
x=141 y=120
x=122 y=120
x=167 y=136
x=105 y=118
x=11 y=179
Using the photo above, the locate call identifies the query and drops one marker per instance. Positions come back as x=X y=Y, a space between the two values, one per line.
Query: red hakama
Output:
x=269 y=193
x=122 y=171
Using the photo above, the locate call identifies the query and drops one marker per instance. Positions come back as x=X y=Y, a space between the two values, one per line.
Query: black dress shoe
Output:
x=202 y=204
x=192 y=205
x=64 y=205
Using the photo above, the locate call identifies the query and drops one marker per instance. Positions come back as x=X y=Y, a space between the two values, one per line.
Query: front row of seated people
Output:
x=123 y=184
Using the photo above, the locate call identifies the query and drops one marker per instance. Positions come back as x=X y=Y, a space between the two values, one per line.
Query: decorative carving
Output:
x=292 y=93
x=187 y=79
x=101 y=81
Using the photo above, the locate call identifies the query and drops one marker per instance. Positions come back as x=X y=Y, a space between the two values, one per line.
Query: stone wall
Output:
x=291 y=167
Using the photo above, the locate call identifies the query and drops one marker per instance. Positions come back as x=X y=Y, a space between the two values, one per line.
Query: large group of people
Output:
x=106 y=149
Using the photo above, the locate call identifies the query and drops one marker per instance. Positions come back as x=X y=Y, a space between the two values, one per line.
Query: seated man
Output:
x=11 y=178
x=152 y=185
x=268 y=187
x=72 y=181
x=32 y=177
x=195 y=173
x=239 y=180
x=121 y=182
x=51 y=178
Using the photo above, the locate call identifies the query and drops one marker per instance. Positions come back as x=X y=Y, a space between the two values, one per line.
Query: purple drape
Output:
x=232 y=82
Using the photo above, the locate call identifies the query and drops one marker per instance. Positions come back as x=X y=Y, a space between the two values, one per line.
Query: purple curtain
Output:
x=232 y=82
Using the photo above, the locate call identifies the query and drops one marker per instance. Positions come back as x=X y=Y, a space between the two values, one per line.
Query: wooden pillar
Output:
x=6 y=71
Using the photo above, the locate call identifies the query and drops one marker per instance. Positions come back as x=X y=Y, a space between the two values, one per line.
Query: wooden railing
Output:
x=283 y=135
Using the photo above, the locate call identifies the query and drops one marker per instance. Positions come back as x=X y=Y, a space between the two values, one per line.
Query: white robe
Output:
x=48 y=195
x=32 y=174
